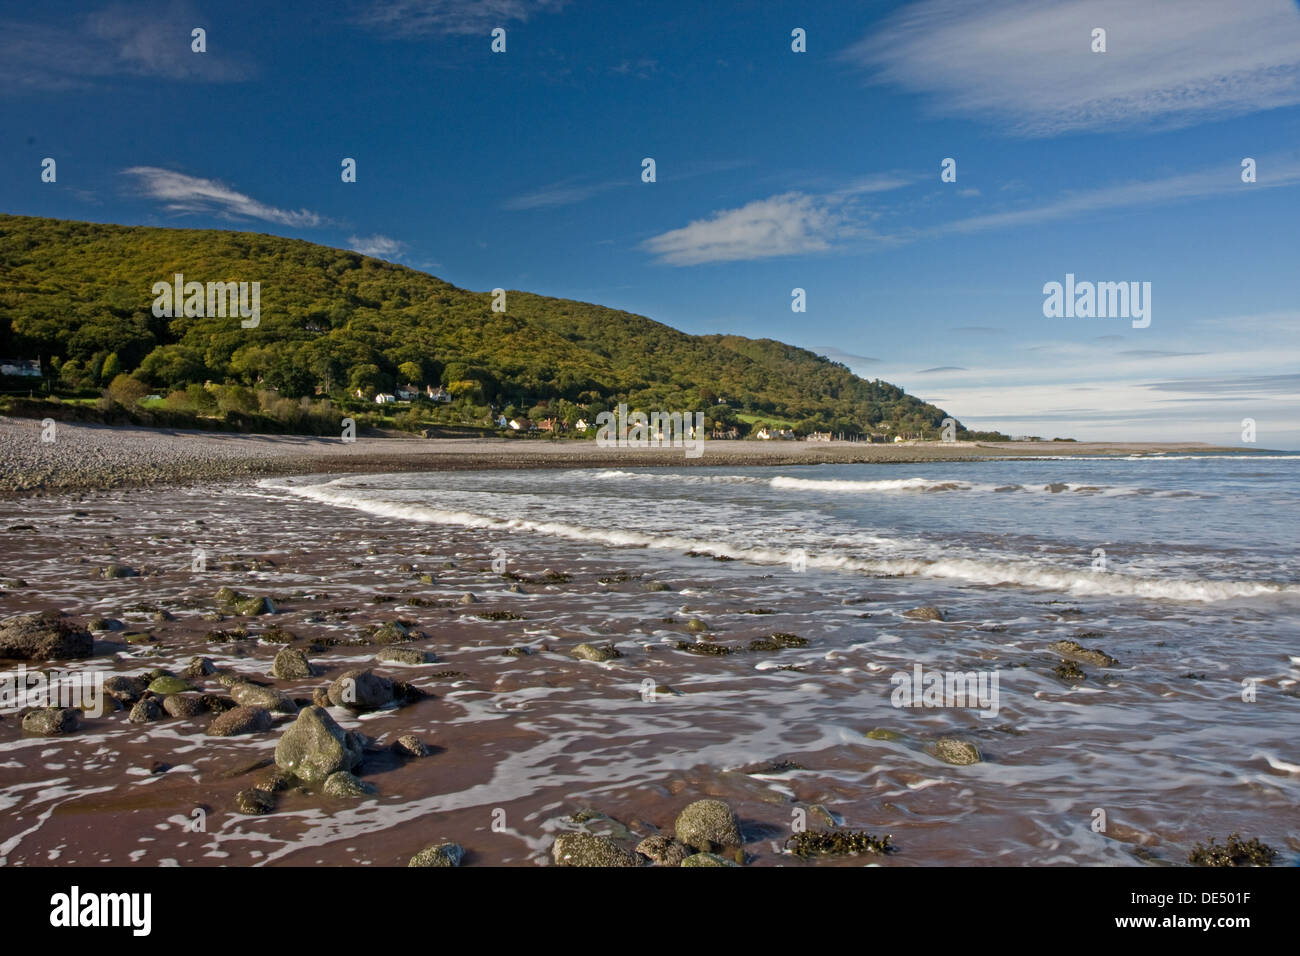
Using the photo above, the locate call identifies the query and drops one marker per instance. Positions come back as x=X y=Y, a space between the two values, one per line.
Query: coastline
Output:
x=101 y=457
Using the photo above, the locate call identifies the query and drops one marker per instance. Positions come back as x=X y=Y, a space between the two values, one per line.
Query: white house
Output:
x=438 y=394
x=581 y=425
x=22 y=368
x=383 y=398
x=501 y=422
x=408 y=391
x=763 y=434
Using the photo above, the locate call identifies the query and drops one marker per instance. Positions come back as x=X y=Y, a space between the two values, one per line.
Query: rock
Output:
x=404 y=655
x=1069 y=671
x=103 y=624
x=292 y=664
x=883 y=733
x=587 y=849
x=1087 y=655
x=254 y=606
x=391 y=632
x=117 y=571
x=927 y=613
x=695 y=625
x=320 y=697
x=655 y=586
x=596 y=652
x=163 y=686
x=240 y=720
x=663 y=850
x=126 y=690
x=344 y=784
x=217 y=704
x=315 y=746
x=200 y=667
x=254 y=695
x=138 y=637
x=410 y=745
x=146 y=710
x=254 y=802
x=956 y=751
x=468 y=598
x=706 y=824
x=361 y=690
x=184 y=705
x=43 y=637
x=440 y=854
x=707 y=859
x=50 y=721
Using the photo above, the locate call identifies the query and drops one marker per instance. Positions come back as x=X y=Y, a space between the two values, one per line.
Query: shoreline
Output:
x=103 y=457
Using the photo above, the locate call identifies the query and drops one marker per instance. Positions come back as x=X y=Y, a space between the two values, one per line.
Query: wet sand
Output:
x=523 y=741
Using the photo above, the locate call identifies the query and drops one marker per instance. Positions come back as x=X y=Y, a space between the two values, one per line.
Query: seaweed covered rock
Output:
x=404 y=655
x=926 y=613
x=596 y=652
x=663 y=851
x=956 y=751
x=706 y=824
x=292 y=664
x=588 y=849
x=1235 y=852
x=315 y=746
x=707 y=859
x=184 y=705
x=440 y=854
x=1086 y=654
x=254 y=695
x=44 y=637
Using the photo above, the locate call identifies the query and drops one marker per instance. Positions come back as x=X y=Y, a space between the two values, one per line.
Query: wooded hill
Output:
x=78 y=296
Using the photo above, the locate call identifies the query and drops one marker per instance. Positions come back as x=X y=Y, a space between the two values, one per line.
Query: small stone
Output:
x=292 y=664
x=707 y=859
x=956 y=751
x=254 y=802
x=440 y=854
x=663 y=851
x=588 y=849
x=200 y=667
x=926 y=613
x=345 y=784
x=146 y=709
x=240 y=720
x=410 y=745
x=50 y=721
x=596 y=652
x=126 y=690
x=404 y=655
x=254 y=695
x=655 y=586
x=1087 y=655
x=168 y=685
x=468 y=598
x=695 y=625
x=184 y=705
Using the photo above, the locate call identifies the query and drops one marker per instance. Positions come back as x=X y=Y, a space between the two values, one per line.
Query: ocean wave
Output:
x=888 y=485
x=985 y=571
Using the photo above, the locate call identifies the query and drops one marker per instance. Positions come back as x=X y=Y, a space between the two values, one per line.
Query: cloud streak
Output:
x=1029 y=66
x=450 y=17
x=185 y=194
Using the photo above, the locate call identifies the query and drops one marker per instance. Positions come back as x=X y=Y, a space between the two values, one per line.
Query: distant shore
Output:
x=88 y=457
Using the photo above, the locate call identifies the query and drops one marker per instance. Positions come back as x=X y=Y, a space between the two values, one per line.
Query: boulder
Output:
x=184 y=705
x=361 y=690
x=596 y=652
x=954 y=750
x=146 y=710
x=315 y=746
x=706 y=824
x=254 y=695
x=707 y=859
x=404 y=655
x=927 y=613
x=342 y=783
x=44 y=637
x=662 y=850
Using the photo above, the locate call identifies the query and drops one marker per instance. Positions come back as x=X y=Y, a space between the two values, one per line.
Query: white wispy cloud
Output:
x=786 y=225
x=119 y=40
x=1029 y=66
x=563 y=193
x=420 y=17
x=380 y=247
x=182 y=193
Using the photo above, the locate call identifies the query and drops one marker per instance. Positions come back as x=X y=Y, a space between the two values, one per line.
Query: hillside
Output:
x=78 y=297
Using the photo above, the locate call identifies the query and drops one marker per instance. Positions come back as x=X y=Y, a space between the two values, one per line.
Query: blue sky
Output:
x=775 y=170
